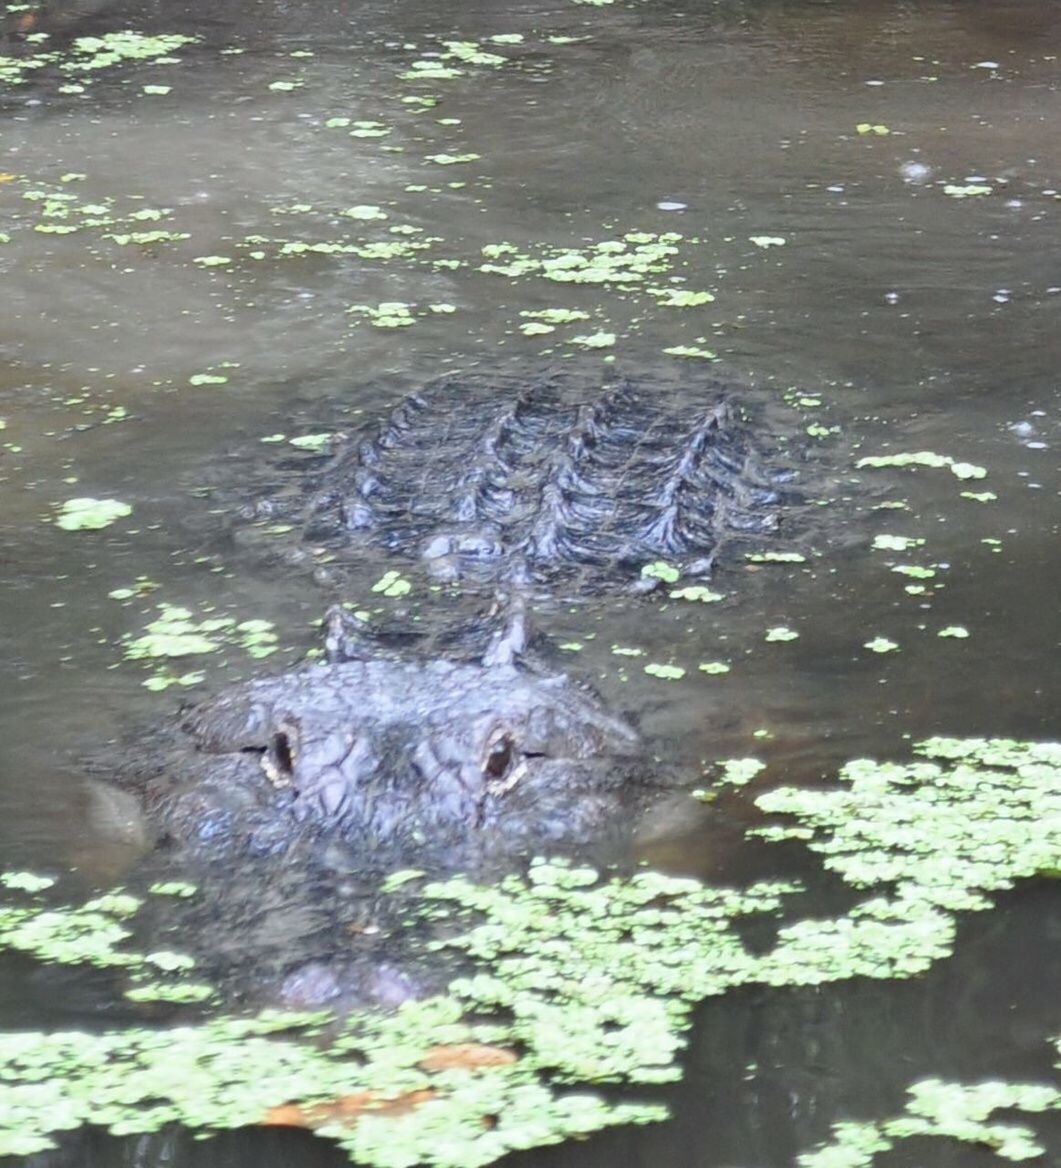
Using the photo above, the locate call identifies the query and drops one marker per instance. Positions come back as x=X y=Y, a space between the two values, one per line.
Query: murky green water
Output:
x=902 y=308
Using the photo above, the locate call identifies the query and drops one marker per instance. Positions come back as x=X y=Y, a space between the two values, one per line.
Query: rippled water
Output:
x=918 y=319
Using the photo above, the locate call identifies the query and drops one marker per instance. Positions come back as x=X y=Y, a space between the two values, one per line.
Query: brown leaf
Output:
x=344 y=1109
x=467 y=1056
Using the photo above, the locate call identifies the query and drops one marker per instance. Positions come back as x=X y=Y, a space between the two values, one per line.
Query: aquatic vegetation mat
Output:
x=955 y=1111
x=574 y=980
x=89 y=55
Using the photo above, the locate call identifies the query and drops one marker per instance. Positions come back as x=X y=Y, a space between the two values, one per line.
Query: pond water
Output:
x=870 y=192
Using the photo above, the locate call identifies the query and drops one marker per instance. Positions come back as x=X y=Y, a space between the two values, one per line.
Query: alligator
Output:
x=483 y=480
x=461 y=752
x=289 y=799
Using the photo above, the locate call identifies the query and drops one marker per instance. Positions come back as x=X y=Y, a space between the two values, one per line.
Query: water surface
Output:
x=914 y=318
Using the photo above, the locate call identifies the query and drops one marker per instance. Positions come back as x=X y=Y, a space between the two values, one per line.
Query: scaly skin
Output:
x=401 y=759
x=492 y=482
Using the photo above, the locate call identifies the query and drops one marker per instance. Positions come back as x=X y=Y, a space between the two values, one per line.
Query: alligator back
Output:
x=479 y=478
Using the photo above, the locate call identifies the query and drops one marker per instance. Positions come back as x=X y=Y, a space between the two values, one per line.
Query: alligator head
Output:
x=401 y=758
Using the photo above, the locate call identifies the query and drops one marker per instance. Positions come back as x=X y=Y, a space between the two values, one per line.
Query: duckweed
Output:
x=691 y=351
x=896 y=543
x=176 y=633
x=92 y=54
x=392 y=584
x=696 y=592
x=621 y=263
x=661 y=570
x=954 y=1111
x=666 y=672
x=738 y=772
x=881 y=645
x=961 y=470
x=88 y=514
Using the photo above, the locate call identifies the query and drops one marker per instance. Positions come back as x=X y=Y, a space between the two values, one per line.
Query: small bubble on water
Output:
x=1001 y=296
x=892 y=297
x=835 y=190
x=987 y=65
x=915 y=172
x=1036 y=446
x=672 y=205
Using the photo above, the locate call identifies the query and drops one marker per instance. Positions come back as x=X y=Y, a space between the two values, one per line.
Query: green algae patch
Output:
x=314 y=442
x=624 y=263
x=554 y=316
x=775 y=558
x=661 y=570
x=881 y=645
x=93 y=933
x=26 y=881
x=680 y=297
x=392 y=584
x=599 y=340
x=696 y=592
x=445 y=159
x=88 y=514
x=454 y=58
x=665 y=672
x=896 y=543
x=397 y=313
x=89 y=55
x=176 y=632
x=961 y=470
x=691 y=351
x=931 y=839
x=940 y=1109
x=738 y=772
x=966 y=190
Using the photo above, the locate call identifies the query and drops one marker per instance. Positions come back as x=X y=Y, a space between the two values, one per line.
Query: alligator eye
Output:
x=282 y=753
x=279 y=757
x=499 y=757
